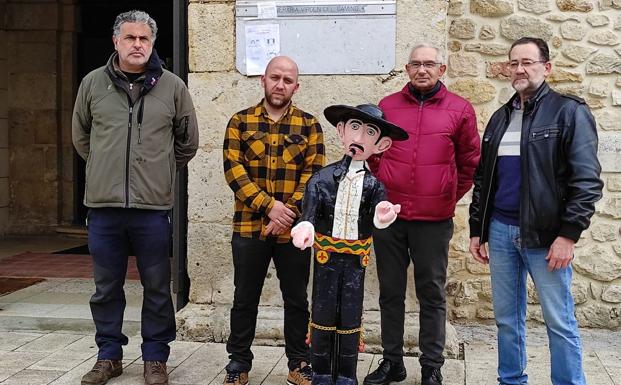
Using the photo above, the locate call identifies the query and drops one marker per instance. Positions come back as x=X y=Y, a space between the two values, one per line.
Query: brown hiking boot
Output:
x=302 y=375
x=155 y=373
x=102 y=371
x=235 y=377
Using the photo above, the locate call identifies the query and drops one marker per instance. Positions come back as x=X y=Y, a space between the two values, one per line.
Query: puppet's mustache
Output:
x=354 y=148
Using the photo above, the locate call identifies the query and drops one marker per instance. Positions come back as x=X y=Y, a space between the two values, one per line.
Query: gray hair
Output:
x=134 y=16
x=440 y=51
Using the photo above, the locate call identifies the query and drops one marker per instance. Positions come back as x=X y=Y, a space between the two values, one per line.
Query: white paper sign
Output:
x=267 y=10
x=262 y=44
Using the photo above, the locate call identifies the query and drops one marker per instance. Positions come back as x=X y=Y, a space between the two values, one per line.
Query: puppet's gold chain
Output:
x=333 y=328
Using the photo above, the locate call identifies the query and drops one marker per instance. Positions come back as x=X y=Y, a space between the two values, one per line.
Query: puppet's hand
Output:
x=385 y=214
x=303 y=235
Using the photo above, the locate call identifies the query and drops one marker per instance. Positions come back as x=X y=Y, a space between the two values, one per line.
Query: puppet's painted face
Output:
x=361 y=140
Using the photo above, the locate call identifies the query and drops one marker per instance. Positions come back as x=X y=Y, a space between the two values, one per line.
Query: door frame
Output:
x=180 y=279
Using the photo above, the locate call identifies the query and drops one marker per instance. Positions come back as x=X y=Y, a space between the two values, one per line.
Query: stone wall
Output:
x=584 y=38
x=38 y=43
x=477 y=34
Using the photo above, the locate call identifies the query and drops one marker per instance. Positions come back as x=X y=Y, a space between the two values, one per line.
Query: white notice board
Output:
x=322 y=36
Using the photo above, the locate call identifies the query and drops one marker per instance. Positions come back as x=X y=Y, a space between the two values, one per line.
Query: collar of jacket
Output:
x=437 y=93
x=423 y=96
x=531 y=103
x=343 y=166
x=152 y=74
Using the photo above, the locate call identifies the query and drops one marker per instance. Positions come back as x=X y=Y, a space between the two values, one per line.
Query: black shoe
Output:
x=387 y=372
x=431 y=376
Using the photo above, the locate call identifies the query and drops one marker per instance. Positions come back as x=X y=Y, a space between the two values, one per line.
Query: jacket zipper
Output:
x=418 y=120
x=524 y=212
x=127 y=155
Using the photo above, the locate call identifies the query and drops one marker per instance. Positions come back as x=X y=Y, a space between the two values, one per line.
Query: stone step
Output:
x=51 y=324
x=73 y=231
x=209 y=323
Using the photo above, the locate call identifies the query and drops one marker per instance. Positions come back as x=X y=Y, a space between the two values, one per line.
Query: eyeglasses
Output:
x=427 y=65
x=513 y=65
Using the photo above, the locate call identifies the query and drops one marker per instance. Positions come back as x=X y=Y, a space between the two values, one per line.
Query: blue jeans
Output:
x=509 y=264
x=114 y=233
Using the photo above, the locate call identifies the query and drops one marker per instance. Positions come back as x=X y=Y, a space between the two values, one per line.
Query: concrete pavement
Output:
x=46 y=337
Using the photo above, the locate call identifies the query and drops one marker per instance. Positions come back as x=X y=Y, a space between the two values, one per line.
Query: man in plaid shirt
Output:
x=270 y=151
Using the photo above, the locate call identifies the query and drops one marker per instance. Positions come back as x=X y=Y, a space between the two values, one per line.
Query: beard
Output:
x=525 y=85
x=276 y=101
x=520 y=84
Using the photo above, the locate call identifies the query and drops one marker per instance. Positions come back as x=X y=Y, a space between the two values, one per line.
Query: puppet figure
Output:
x=342 y=203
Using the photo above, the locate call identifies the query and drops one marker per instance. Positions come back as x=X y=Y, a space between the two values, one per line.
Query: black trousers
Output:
x=251 y=258
x=425 y=244
x=112 y=233
x=338 y=291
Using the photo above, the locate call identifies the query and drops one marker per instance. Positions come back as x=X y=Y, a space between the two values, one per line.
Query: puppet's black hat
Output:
x=368 y=113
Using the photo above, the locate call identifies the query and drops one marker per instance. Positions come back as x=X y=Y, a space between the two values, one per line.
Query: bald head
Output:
x=280 y=82
x=283 y=62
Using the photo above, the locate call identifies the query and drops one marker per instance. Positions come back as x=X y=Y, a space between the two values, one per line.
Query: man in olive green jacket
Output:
x=134 y=124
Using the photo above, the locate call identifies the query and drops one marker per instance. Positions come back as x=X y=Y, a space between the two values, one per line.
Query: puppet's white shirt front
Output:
x=347 y=205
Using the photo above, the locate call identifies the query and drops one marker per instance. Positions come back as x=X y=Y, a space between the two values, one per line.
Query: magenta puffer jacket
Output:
x=428 y=173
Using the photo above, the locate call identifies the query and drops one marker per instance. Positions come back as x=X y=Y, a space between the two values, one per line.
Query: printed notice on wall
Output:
x=267 y=10
x=262 y=44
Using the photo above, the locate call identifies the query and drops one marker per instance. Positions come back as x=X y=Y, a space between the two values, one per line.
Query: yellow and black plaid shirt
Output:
x=266 y=161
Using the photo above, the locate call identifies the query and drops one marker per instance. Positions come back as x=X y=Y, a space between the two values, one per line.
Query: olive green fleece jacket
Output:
x=133 y=141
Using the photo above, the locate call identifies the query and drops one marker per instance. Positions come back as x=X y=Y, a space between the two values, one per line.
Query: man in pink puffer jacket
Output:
x=426 y=174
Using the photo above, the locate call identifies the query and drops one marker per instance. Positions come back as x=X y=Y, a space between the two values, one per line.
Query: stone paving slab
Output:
x=481 y=361
x=612 y=364
x=132 y=375
x=180 y=351
x=366 y=364
x=74 y=376
x=203 y=367
x=13 y=362
x=132 y=350
x=85 y=345
x=49 y=342
x=33 y=377
x=13 y=340
x=62 y=360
